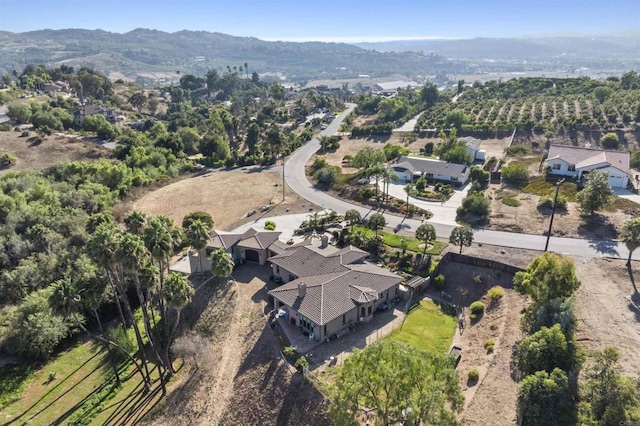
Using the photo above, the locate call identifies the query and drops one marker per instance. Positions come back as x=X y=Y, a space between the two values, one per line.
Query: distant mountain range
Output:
x=150 y=53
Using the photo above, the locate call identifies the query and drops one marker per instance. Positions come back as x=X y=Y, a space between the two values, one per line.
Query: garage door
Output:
x=616 y=181
x=252 y=256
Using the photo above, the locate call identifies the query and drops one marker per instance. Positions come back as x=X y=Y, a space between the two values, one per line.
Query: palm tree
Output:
x=221 y=263
x=102 y=249
x=246 y=69
x=425 y=233
x=66 y=300
x=630 y=236
x=135 y=222
x=177 y=294
x=353 y=216
x=160 y=243
x=197 y=235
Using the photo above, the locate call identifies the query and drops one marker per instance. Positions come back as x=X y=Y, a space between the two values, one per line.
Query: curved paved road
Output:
x=296 y=179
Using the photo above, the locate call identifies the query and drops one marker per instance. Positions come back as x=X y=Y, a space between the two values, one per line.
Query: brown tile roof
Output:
x=220 y=239
x=587 y=157
x=250 y=239
x=328 y=296
x=306 y=261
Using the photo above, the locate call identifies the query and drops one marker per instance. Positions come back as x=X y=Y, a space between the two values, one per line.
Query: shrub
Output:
x=289 y=351
x=477 y=307
x=7 y=159
x=516 y=174
x=318 y=163
x=489 y=345
x=326 y=176
x=473 y=375
x=547 y=202
x=301 y=363
x=475 y=204
x=25 y=134
x=493 y=326
x=511 y=202
x=495 y=293
x=610 y=141
x=439 y=282
x=5 y=127
x=270 y=225
x=517 y=149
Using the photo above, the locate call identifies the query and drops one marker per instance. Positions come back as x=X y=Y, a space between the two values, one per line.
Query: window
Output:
x=369 y=311
x=572 y=167
x=429 y=175
x=344 y=319
x=556 y=166
x=278 y=269
x=325 y=329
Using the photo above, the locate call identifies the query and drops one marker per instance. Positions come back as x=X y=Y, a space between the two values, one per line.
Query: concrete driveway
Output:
x=624 y=193
x=442 y=212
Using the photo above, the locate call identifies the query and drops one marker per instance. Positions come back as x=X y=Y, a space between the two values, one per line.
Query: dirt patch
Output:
x=227 y=195
x=54 y=149
x=528 y=218
x=492 y=400
x=608 y=308
x=247 y=382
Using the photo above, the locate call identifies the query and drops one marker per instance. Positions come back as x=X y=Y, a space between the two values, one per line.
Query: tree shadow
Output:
x=634 y=303
x=598 y=227
x=56 y=387
x=609 y=248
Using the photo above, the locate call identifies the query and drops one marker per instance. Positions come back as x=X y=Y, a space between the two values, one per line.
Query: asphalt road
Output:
x=297 y=180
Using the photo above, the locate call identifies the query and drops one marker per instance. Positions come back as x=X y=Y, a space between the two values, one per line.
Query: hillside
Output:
x=143 y=51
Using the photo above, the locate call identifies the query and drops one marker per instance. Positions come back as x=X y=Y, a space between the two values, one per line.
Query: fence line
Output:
x=475 y=261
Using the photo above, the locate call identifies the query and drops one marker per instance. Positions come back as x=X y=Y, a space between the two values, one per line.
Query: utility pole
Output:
x=553 y=212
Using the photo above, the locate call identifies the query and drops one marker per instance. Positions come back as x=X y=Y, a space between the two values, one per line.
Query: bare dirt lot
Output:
x=245 y=382
x=227 y=195
x=607 y=307
x=37 y=156
x=527 y=217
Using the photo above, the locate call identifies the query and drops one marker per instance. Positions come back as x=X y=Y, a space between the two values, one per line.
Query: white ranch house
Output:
x=578 y=162
x=408 y=169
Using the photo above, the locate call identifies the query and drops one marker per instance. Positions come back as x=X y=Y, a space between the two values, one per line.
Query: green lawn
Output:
x=74 y=387
x=394 y=240
x=427 y=328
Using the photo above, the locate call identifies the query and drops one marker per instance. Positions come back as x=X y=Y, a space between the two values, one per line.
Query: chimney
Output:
x=324 y=241
x=302 y=290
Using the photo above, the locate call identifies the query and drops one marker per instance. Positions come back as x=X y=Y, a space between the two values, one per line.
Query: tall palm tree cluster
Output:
x=135 y=261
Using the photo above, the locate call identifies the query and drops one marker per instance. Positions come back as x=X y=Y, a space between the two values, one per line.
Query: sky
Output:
x=330 y=20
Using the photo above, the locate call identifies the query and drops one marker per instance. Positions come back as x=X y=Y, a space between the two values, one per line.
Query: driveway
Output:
x=3 y=114
x=625 y=193
x=444 y=213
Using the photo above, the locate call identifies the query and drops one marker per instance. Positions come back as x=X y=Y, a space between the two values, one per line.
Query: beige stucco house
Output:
x=328 y=289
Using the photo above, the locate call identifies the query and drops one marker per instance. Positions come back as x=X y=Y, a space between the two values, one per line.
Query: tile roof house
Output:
x=83 y=111
x=408 y=169
x=328 y=289
x=250 y=246
x=571 y=161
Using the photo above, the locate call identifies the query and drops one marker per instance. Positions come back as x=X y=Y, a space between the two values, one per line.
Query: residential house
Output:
x=250 y=246
x=83 y=111
x=408 y=169
x=329 y=289
x=392 y=87
x=571 y=161
x=473 y=148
